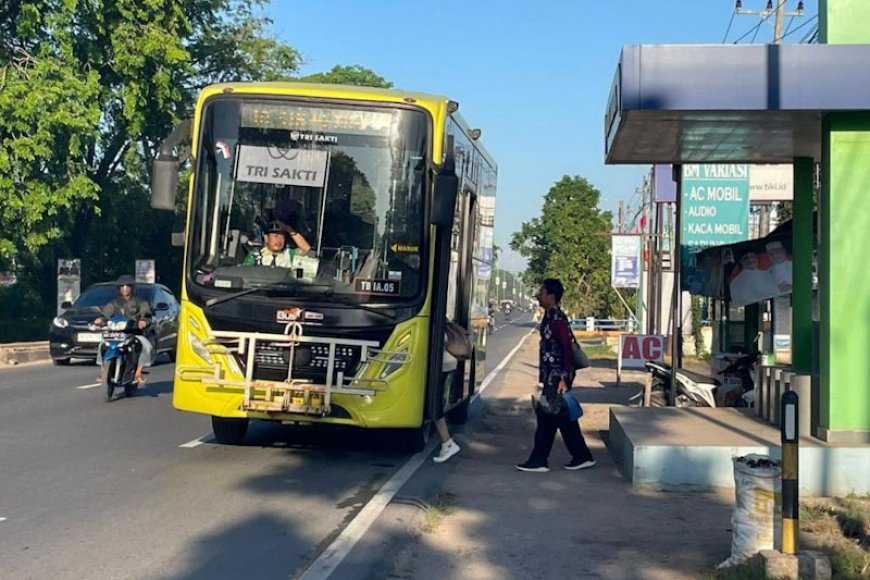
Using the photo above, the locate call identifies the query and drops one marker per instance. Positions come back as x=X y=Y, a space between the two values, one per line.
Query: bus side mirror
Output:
x=164 y=171
x=444 y=199
x=164 y=183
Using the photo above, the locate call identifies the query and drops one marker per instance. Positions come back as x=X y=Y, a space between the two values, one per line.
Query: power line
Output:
x=808 y=22
x=724 y=38
x=760 y=22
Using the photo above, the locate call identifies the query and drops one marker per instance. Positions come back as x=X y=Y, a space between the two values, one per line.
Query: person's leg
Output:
x=449 y=447
x=146 y=357
x=574 y=441
x=545 y=434
x=443 y=433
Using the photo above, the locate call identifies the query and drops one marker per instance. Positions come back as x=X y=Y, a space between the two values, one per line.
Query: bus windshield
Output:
x=319 y=200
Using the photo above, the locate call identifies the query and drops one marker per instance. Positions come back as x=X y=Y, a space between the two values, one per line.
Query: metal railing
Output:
x=591 y=324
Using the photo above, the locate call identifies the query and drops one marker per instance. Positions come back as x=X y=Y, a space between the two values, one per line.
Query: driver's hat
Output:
x=125 y=280
x=276 y=227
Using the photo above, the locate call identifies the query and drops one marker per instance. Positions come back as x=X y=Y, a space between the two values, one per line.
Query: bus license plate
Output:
x=90 y=337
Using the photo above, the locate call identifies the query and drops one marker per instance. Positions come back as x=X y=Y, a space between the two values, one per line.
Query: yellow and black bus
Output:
x=395 y=197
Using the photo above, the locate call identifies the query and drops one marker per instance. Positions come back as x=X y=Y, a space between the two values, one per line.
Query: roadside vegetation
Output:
x=839 y=527
x=87 y=94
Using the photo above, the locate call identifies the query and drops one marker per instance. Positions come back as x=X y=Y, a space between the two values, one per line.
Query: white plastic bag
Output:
x=757 y=519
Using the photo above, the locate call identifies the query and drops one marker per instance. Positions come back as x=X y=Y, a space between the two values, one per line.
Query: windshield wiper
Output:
x=275 y=285
x=348 y=304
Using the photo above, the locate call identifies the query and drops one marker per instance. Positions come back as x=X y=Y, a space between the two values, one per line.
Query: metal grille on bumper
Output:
x=321 y=367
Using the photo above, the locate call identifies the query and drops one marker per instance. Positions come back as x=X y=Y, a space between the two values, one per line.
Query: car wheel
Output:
x=229 y=431
x=60 y=362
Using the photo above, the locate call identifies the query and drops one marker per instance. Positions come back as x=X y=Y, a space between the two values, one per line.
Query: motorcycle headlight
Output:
x=199 y=348
x=60 y=322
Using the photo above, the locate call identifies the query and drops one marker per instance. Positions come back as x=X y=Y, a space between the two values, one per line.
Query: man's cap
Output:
x=276 y=227
x=125 y=280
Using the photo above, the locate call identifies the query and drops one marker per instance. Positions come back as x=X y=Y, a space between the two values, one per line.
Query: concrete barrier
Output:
x=14 y=353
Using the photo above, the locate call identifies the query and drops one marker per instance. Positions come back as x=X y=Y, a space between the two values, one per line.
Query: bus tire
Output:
x=229 y=431
x=414 y=440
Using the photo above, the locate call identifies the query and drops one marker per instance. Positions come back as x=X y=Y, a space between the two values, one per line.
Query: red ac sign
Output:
x=636 y=349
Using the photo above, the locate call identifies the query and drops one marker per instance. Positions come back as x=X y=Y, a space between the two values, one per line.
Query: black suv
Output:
x=69 y=336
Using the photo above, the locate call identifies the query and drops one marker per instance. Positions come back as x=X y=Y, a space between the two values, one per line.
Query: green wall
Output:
x=844 y=292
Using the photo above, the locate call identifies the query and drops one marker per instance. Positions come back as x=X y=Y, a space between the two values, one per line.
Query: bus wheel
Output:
x=229 y=431
x=414 y=440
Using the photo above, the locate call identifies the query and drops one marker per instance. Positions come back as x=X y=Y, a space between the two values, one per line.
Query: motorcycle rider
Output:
x=127 y=304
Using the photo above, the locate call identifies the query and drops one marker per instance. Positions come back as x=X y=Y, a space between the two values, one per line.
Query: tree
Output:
x=349 y=75
x=570 y=241
x=87 y=92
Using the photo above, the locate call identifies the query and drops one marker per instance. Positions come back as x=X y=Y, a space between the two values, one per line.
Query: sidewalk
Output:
x=502 y=523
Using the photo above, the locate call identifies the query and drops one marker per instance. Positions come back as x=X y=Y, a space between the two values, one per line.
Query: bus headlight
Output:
x=394 y=362
x=199 y=348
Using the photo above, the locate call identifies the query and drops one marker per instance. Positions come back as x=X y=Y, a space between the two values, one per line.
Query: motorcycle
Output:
x=697 y=390
x=119 y=351
x=738 y=389
x=693 y=389
x=490 y=323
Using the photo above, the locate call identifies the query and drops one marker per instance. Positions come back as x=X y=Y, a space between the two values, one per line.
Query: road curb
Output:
x=23 y=352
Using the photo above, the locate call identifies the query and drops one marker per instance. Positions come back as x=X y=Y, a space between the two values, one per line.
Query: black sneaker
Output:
x=532 y=466
x=577 y=464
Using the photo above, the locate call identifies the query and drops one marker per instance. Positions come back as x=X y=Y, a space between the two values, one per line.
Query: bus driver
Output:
x=275 y=252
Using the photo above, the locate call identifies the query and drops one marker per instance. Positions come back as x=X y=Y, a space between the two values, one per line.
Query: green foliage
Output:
x=570 y=241
x=349 y=75
x=697 y=333
x=88 y=89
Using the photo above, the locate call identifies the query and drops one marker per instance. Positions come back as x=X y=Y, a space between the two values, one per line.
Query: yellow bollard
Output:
x=789 y=433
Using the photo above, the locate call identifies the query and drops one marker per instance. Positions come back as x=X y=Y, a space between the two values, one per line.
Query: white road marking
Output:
x=2 y=519
x=198 y=442
x=330 y=559
x=333 y=555
x=90 y=386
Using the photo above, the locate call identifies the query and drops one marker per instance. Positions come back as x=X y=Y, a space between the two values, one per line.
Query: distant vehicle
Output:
x=69 y=336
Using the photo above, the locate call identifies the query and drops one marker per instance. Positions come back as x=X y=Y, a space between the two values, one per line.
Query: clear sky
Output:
x=534 y=76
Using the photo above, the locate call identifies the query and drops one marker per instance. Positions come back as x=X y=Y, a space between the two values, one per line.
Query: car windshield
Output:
x=97 y=296
x=310 y=200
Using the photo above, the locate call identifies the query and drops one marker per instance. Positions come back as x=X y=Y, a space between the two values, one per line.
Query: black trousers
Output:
x=545 y=435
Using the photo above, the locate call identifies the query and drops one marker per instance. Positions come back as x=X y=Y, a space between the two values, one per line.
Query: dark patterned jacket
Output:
x=554 y=358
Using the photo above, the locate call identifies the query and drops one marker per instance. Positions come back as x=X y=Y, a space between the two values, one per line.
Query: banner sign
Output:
x=282 y=166
x=625 y=261
x=636 y=349
x=69 y=279
x=715 y=210
x=747 y=272
x=145 y=271
x=771 y=183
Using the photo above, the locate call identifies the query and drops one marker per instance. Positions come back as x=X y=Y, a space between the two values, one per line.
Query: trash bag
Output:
x=756 y=522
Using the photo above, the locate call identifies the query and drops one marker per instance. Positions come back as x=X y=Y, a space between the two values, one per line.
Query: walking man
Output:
x=556 y=372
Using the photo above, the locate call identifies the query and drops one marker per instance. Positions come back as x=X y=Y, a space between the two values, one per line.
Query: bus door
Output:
x=460 y=285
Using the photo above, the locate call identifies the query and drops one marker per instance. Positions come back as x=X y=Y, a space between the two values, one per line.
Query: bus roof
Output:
x=327 y=90
x=436 y=104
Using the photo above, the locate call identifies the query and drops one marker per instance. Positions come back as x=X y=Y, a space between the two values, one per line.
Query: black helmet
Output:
x=125 y=280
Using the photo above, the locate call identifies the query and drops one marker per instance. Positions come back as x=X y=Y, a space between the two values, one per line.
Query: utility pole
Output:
x=621 y=217
x=779 y=13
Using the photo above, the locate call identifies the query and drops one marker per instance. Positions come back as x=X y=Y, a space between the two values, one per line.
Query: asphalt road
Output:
x=105 y=491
